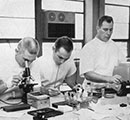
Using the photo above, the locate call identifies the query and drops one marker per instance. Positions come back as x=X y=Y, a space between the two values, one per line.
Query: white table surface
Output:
x=105 y=109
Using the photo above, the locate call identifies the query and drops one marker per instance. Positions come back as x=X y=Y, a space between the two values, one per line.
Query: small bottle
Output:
x=103 y=92
x=102 y=100
x=88 y=89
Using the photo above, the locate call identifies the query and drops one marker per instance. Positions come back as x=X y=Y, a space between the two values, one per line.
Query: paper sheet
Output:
x=105 y=111
x=16 y=114
x=86 y=113
x=65 y=108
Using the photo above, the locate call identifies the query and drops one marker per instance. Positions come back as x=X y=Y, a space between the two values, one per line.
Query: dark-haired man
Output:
x=101 y=55
x=59 y=67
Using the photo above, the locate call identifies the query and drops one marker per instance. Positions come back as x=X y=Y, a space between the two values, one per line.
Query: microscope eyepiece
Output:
x=26 y=63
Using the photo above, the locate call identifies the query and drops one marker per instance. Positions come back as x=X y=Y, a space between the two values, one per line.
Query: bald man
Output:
x=13 y=64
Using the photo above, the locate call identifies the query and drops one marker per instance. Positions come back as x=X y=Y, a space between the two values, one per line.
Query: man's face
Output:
x=61 y=55
x=25 y=55
x=105 y=31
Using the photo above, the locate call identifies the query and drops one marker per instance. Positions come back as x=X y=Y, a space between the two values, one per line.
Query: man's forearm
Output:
x=71 y=81
x=95 y=77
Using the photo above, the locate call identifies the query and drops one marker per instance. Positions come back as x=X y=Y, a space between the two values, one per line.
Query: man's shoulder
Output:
x=113 y=43
x=91 y=42
x=69 y=63
x=43 y=60
x=89 y=46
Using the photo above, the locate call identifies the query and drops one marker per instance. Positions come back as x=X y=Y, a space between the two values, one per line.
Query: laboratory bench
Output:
x=116 y=108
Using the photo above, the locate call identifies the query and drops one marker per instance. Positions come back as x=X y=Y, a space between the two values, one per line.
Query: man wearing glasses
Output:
x=59 y=67
x=101 y=55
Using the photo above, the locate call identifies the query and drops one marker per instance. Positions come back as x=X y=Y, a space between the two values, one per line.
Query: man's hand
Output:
x=16 y=79
x=44 y=83
x=50 y=88
x=115 y=82
x=117 y=79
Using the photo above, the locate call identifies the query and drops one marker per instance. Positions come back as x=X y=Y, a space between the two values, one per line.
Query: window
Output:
x=16 y=21
x=121 y=20
x=17 y=18
x=119 y=10
x=76 y=7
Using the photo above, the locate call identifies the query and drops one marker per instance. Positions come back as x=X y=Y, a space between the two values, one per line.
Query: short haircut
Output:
x=30 y=44
x=65 y=42
x=106 y=18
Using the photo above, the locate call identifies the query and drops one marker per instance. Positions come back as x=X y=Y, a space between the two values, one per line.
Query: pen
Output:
x=91 y=109
x=118 y=118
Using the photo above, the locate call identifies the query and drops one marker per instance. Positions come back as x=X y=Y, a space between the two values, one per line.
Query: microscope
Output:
x=26 y=87
x=25 y=84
